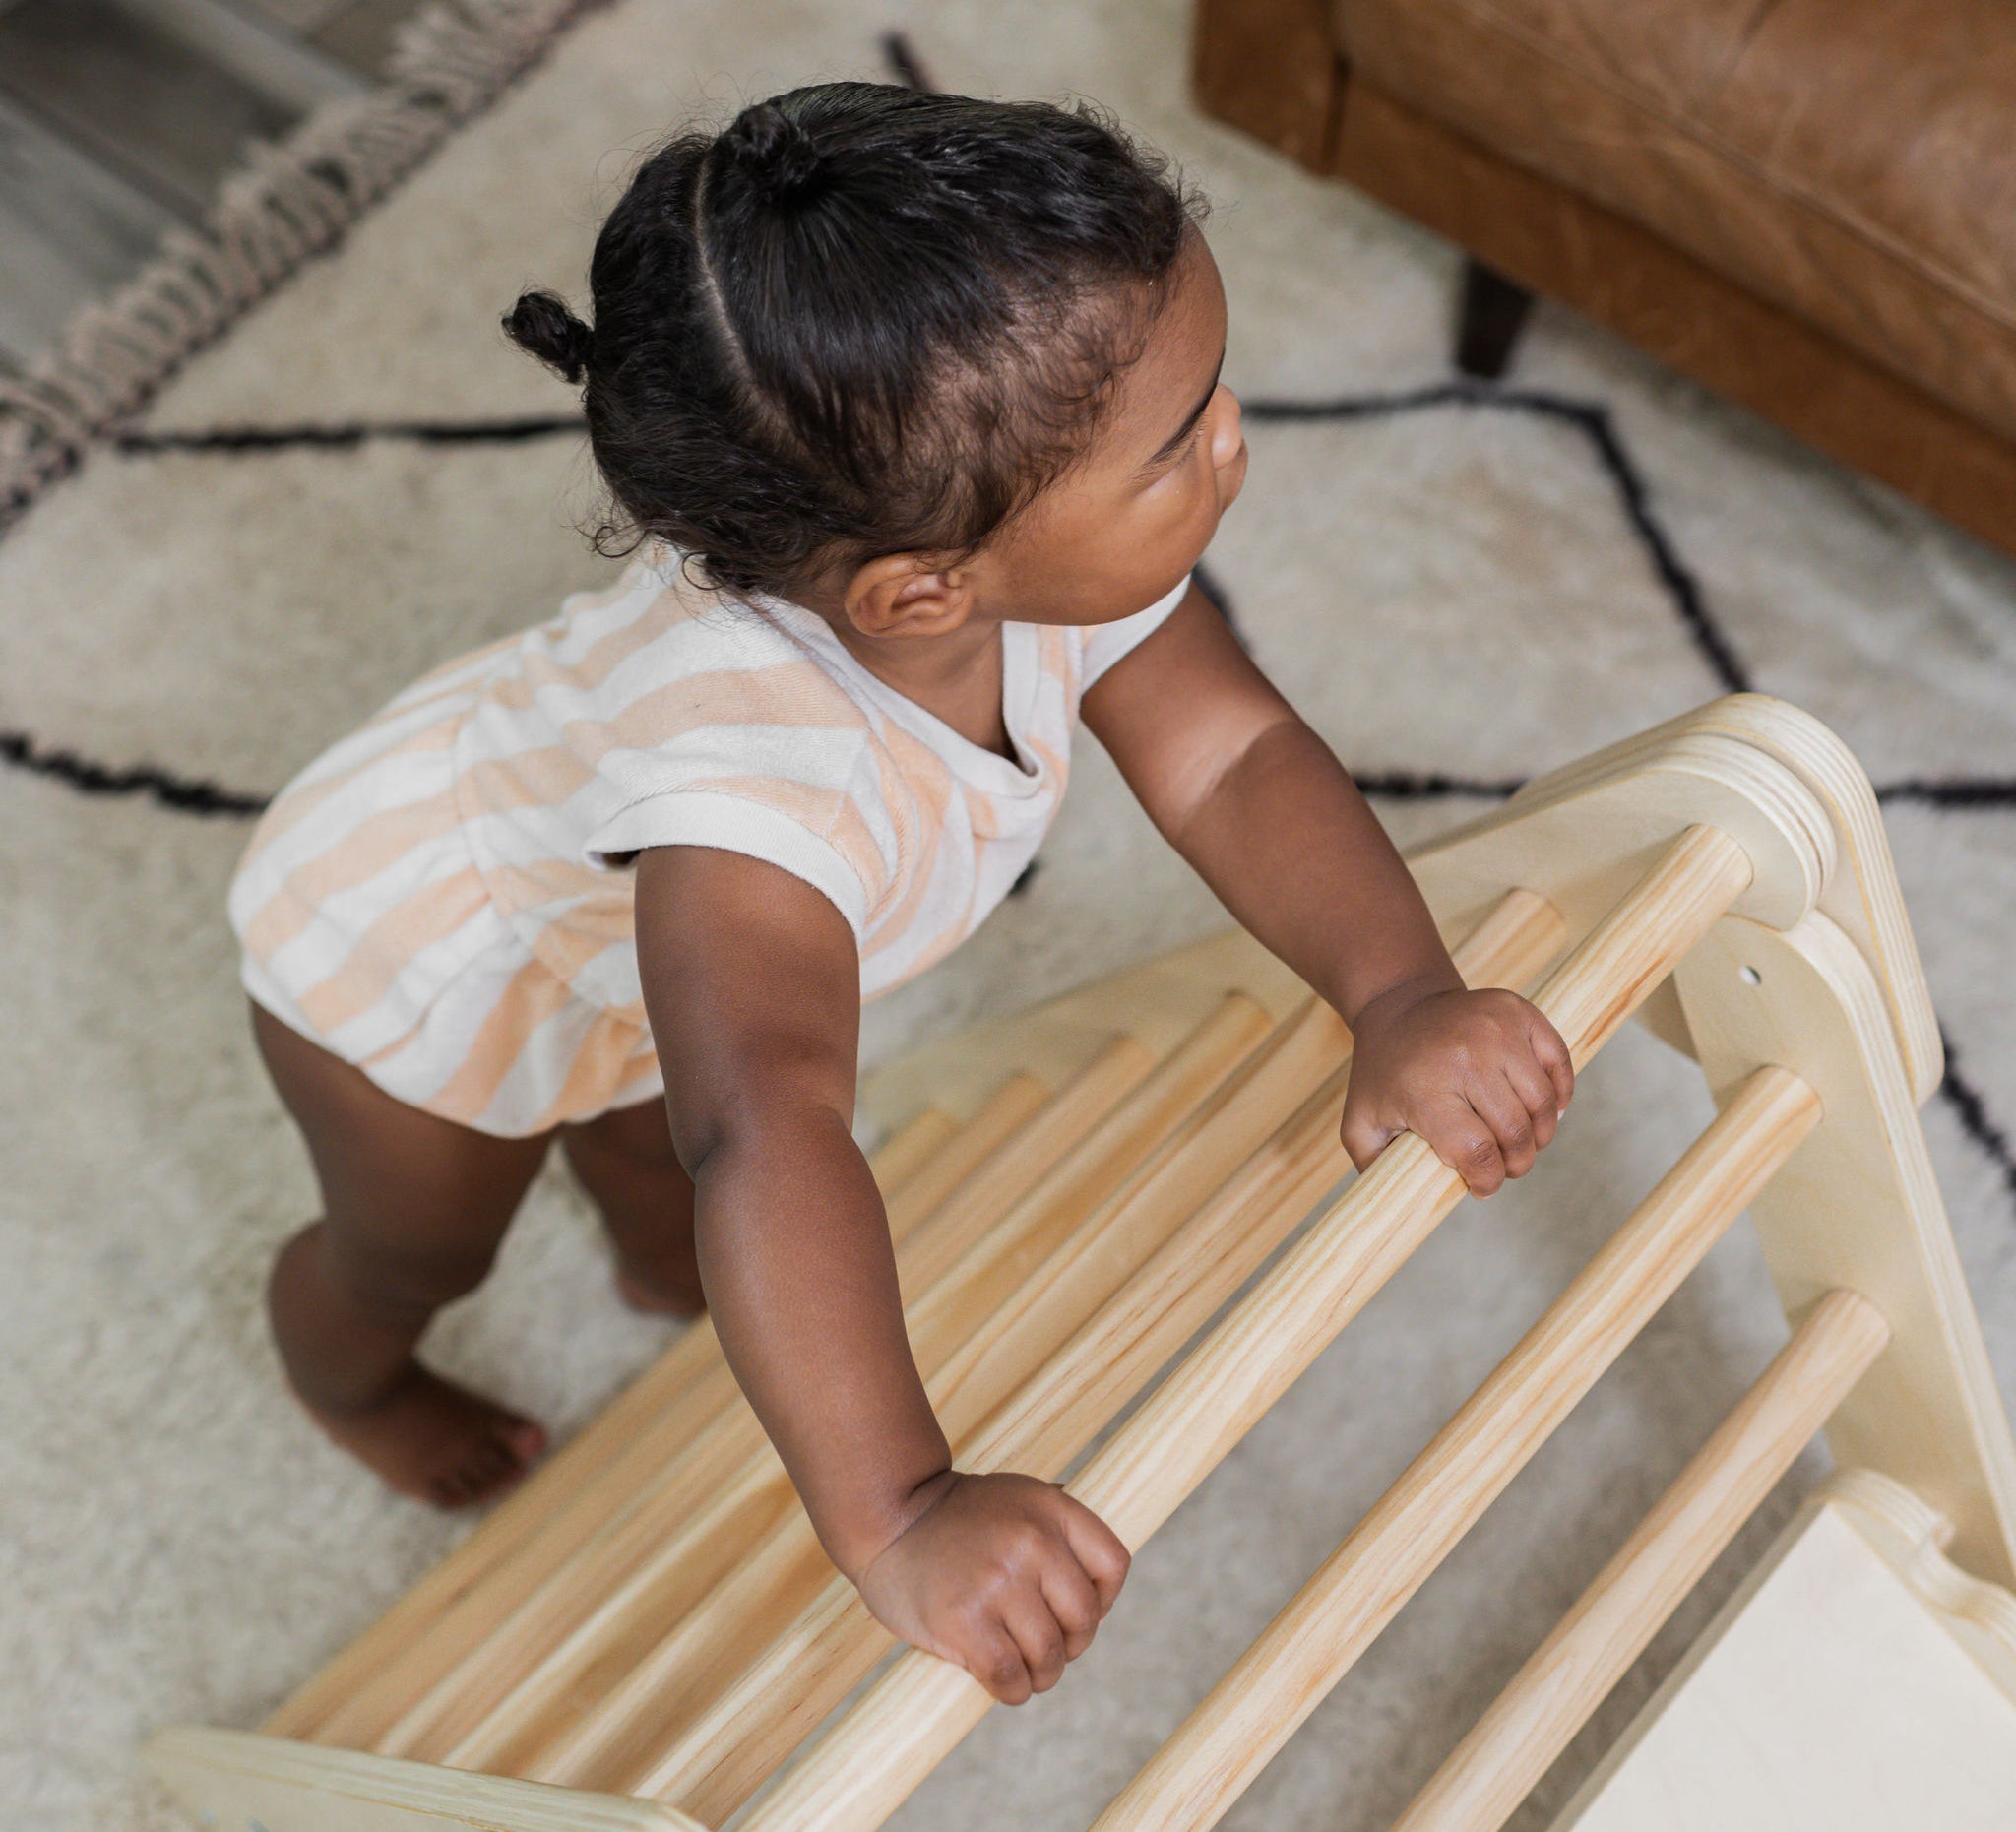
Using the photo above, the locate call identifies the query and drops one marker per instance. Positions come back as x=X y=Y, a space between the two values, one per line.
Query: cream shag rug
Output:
x=1457 y=593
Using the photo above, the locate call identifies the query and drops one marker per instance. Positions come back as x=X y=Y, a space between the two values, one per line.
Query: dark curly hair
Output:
x=862 y=320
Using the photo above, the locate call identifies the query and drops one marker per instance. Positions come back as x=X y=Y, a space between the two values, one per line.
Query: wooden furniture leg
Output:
x=1493 y=310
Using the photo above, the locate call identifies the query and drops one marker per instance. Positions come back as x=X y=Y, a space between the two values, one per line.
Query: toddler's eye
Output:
x=1182 y=450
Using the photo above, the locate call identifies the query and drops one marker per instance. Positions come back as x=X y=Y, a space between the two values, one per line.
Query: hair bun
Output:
x=776 y=152
x=541 y=323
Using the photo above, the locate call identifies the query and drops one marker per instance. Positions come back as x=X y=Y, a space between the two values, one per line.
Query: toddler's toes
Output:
x=525 y=1439
x=432 y=1439
x=499 y=1459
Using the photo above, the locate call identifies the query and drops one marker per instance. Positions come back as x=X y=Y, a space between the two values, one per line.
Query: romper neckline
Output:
x=997 y=776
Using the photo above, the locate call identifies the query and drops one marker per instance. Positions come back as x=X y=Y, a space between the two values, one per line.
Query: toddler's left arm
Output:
x=1261 y=808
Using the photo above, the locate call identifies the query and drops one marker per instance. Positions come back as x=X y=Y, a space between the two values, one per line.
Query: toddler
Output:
x=910 y=412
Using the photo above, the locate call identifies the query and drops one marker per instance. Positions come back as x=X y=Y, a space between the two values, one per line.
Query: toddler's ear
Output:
x=908 y=594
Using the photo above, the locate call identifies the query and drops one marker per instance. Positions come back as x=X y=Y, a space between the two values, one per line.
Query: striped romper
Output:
x=442 y=897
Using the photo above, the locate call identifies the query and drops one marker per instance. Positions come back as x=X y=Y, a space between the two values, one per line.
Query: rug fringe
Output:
x=291 y=199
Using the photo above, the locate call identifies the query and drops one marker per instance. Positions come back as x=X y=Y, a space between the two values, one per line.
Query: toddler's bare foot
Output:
x=440 y=1442
x=658 y=1294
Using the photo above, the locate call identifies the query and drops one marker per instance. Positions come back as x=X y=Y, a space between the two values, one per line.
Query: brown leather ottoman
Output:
x=1809 y=205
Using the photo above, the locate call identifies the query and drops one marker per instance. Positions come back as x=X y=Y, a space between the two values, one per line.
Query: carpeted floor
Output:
x=1459 y=589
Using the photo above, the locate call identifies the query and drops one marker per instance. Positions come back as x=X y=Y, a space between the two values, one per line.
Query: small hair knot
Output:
x=777 y=153
x=543 y=323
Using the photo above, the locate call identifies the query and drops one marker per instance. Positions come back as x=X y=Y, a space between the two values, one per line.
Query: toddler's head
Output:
x=908 y=359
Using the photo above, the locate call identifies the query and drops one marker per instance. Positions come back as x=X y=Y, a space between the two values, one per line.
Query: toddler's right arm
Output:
x=753 y=984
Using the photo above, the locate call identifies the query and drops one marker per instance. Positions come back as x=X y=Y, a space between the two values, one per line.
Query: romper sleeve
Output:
x=1108 y=643
x=735 y=822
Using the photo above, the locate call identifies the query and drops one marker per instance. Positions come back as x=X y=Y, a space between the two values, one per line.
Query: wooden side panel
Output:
x=1836 y=1692
x=1858 y=1207
x=239 y=1781
x=1858 y=890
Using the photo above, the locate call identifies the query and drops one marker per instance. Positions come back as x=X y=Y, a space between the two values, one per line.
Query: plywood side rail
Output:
x=1532 y=1720
x=233 y=1779
x=1334 y=1617
x=917 y=1712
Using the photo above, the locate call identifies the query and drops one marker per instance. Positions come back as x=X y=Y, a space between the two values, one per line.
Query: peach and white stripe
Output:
x=442 y=896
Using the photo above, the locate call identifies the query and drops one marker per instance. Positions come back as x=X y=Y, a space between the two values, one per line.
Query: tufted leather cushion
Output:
x=1853 y=159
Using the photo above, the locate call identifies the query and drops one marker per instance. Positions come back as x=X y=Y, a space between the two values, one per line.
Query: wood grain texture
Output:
x=754 y=1723
x=909 y=1147
x=1551 y=1696
x=239 y=1779
x=1582 y=836
x=917 y=1712
x=1579 y=837
x=70 y=229
x=1044 y=1307
x=139 y=102
x=268 y=57
x=358 y=1694
x=1158 y=1002
x=1913 y=1539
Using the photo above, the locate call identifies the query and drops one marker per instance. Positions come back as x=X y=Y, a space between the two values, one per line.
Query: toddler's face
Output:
x=1135 y=514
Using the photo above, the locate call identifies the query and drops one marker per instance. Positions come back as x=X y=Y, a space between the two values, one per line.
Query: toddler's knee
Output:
x=632 y=1141
x=398 y=1280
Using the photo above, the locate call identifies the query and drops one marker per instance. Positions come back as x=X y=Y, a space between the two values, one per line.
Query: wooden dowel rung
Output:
x=984 y=1317
x=1549 y=1700
x=906 y=1151
x=720 y=1758
x=601 y=1625
x=688 y=1465
x=933 y=1223
x=329 y=1707
x=1314 y=1641
x=749 y=1726
x=960 y=1262
x=917 y=1712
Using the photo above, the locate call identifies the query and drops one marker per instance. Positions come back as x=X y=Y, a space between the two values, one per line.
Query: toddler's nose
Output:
x=1227 y=450
x=1228 y=440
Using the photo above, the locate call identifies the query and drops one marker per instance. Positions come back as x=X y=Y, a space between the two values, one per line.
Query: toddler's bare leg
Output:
x=414 y=1209
x=625 y=1161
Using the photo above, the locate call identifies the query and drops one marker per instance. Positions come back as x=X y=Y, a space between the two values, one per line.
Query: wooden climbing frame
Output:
x=647 y=1634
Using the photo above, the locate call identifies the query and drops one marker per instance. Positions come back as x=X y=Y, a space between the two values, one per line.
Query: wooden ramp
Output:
x=647 y=1635
x=1861 y=1683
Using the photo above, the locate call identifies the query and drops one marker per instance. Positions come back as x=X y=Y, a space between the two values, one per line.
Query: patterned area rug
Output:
x=1460 y=585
